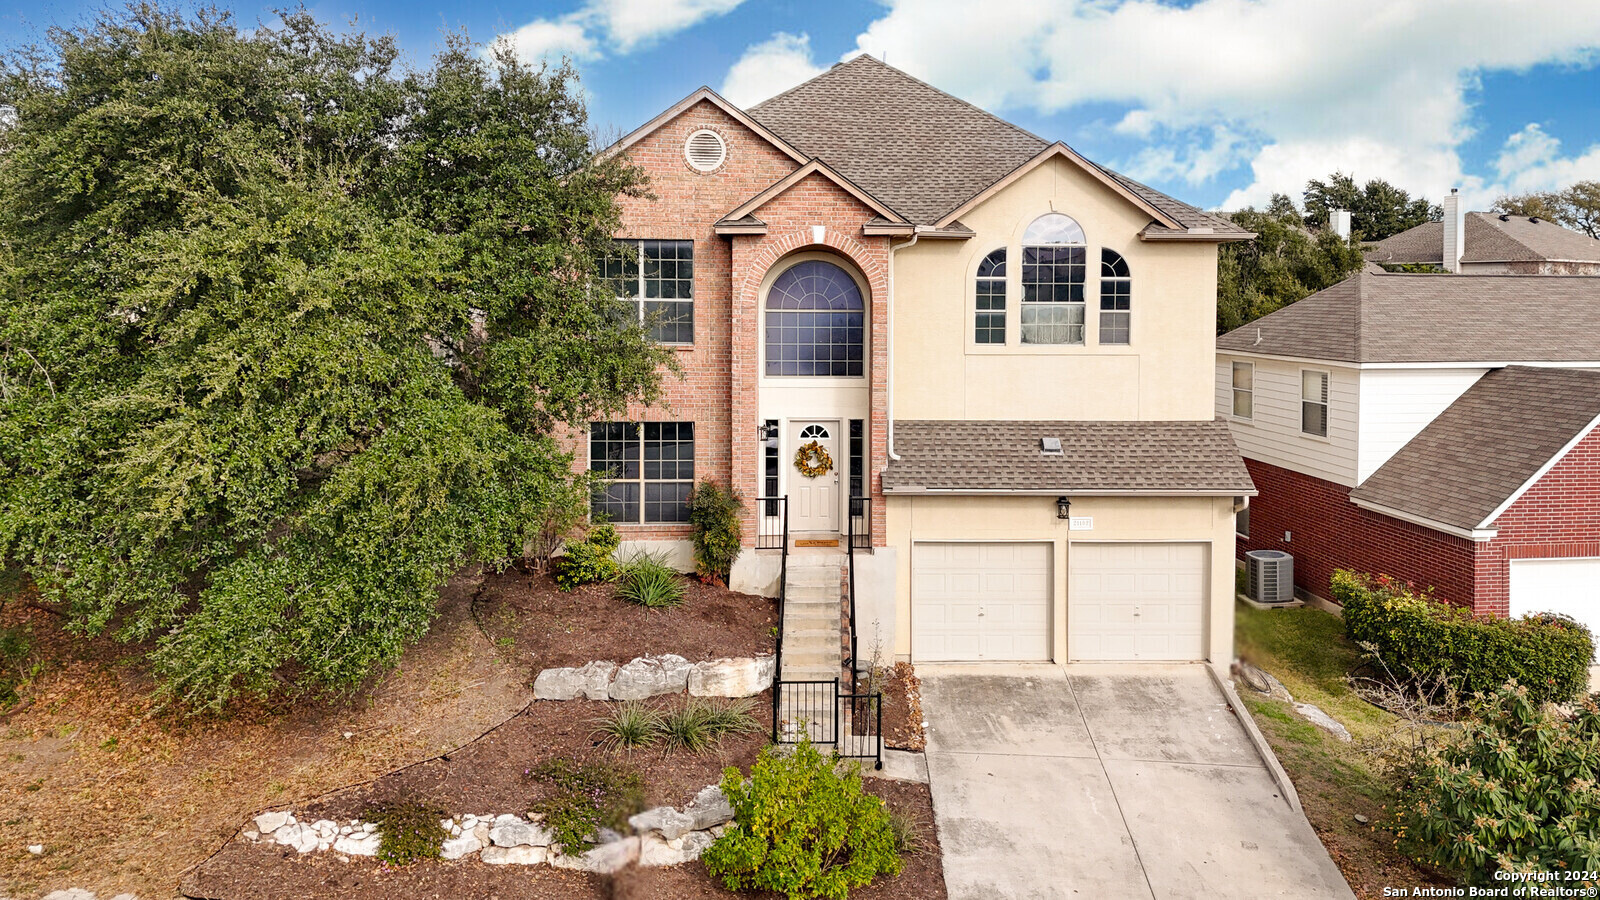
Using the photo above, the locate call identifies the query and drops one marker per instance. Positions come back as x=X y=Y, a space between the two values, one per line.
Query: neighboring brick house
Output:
x=865 y=252
x=1488 y=243
x=1437 y=429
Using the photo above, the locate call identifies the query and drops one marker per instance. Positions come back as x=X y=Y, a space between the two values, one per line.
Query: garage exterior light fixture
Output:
x=1063 y=508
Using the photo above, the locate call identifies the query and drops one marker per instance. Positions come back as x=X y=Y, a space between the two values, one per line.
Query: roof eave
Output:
x=1058 y=149
x=1476 y=535
x=910 y=490
x=1198 y=234
x=729 y=228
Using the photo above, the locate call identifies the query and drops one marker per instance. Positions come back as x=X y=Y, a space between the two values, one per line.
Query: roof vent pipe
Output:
x=1453 y=231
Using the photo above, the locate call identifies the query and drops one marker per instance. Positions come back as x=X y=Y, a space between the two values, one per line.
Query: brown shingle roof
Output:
x=1486 y=445
x=1379 y=317
x=1097 y=457
x=1487 y=237
x=916 y=148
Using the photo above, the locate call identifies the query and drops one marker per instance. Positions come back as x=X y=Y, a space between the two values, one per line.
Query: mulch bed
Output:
x=488 y=776
x=902 y=708
x=547 y=627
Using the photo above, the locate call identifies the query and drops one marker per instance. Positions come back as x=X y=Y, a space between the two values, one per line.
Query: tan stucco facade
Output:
x=1164 y=373
x=1207 y=520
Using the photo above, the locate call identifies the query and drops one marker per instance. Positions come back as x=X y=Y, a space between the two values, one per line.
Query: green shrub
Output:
x=1421 y=638
x=632 y=725
x=715 y=515
x=586 y=797
x=1516 y=792
x=648 y=581
x=590 y=560
x=803 y=828
x=408 y=830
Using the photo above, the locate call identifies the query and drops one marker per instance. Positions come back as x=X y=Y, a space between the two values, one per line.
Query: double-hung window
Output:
x=648 y=469
x=657 y=279
x=1054 y=264
x=1244 y=390
x=1314 y=402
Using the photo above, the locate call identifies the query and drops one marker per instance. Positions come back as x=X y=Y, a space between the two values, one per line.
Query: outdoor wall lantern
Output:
x=1063 y=508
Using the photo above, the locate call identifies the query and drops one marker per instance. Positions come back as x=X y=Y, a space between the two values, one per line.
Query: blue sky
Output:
x=1218 y=102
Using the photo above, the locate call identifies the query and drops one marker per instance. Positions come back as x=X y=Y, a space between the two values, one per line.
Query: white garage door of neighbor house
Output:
x=1136 y=601
x=980 y=601
x=1567 y=586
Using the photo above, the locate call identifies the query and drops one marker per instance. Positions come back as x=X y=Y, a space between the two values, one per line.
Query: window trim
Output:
x=1234 y=390
x=1245 y=515
x=638 y=439
x=1326 y=403
x=639 y=300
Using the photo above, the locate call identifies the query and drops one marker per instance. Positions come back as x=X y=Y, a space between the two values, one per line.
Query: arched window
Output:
x=1116 y=290
x=990 y=325
x=1053 y=272
x=814 y=321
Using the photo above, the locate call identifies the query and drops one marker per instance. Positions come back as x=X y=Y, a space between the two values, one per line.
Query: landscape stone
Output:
x=519 y=834
x=125 y=897
x=736 y=677
x=268 y=822
x=303 y=838
x=70 y=894
x=481 y=832
x=1322 y=720
x=249 y=834
x=455 y=848
x=649 y=676
x=358 y=845
x=602 y=860
x=709 y=807
x=325 y=827
x=514 y=856
x=665 y=819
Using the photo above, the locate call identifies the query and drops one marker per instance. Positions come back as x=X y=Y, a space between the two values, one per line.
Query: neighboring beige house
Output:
x=1005 y=350
x=1487 y=243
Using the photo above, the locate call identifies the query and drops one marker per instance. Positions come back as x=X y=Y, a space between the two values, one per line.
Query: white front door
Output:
x=1570 y=587
x=1136 y=601
x=980 y=601
x=814 y=499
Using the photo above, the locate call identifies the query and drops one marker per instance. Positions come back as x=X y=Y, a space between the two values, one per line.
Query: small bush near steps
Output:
x=650 y=582
x=586 y=798
x=1424 y=639
x=1516 y=792
x=408 y=830
x=803 y=828
x=715 y=515
x=589 y=560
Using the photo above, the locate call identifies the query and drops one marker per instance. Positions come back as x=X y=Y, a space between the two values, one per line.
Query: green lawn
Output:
x=1306 y=650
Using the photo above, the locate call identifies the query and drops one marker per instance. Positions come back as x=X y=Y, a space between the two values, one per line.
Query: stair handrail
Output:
x=783 y=587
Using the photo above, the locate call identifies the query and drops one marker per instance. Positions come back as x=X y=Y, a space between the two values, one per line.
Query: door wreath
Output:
x=812 y=460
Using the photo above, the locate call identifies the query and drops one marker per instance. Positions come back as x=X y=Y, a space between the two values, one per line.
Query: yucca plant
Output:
x=633 y=724
x=732 y=717
x=690 y=728
x=650 y=582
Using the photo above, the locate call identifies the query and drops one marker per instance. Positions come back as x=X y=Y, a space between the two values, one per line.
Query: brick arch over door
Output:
x=754 y=259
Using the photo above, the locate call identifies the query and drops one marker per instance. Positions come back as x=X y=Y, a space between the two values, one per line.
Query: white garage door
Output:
x=980 y=601
x=1567 y=586
x=1136 y=601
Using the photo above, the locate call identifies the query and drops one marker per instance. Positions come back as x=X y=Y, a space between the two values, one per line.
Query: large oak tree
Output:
x=285 y=333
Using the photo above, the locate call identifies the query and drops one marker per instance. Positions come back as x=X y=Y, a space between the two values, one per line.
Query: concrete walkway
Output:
x=1108 y=782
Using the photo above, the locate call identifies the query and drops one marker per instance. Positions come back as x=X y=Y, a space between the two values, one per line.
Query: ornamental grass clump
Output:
x=1515 y=792
x=804 y=827
x=648 y=581
x=632 y=725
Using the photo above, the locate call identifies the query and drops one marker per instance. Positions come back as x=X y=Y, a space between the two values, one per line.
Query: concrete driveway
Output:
x=1108 y=782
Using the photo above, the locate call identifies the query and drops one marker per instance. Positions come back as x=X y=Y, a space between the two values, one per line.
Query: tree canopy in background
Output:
x=1378 y=209
x=1576 y=207
x=285 y=333
x=1285 y=262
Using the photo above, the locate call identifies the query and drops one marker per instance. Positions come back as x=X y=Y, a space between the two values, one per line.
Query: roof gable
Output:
x=703 y=95
x=1473 y=460
x=821 y=169
x=1059 y=150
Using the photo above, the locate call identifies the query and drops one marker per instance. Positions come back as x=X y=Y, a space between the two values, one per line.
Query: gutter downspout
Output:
x=916 y=235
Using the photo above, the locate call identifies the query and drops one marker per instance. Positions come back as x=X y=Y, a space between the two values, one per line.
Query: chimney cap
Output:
x=1454 y=190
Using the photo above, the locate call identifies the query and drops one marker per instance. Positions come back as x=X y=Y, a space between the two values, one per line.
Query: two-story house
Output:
x=1489 y=243
x=985 y=356
x=1434 y=428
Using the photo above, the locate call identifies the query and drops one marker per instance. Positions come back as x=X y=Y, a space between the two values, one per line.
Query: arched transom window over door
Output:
x=815 y=319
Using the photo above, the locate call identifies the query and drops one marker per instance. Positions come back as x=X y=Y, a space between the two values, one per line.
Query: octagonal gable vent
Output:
x=705 y=150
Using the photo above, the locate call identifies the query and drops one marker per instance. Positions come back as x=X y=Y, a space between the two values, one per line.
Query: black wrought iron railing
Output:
x=861 y=522
x=772 y=523
x=860 y=735
x=858 y=536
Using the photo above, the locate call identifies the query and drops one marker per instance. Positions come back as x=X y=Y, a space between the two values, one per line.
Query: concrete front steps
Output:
x=811 y=627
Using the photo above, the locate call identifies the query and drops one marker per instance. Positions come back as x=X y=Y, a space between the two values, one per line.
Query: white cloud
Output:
x=1531 y=160
x=1296 y=88
x=547 y=39
x=769 y=68
x=621 y=25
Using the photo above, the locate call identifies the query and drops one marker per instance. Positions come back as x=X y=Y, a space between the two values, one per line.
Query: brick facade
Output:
x=1558 y=517
x=718 y=390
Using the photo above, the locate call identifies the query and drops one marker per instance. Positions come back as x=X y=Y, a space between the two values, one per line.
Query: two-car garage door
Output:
x=991 y=601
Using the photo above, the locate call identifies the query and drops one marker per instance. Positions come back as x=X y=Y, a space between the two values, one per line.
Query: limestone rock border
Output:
x=663 y=836
x=650 y=676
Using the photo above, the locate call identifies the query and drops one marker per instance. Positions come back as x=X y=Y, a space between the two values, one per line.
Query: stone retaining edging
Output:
x=664 y=836
x=649 y=676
